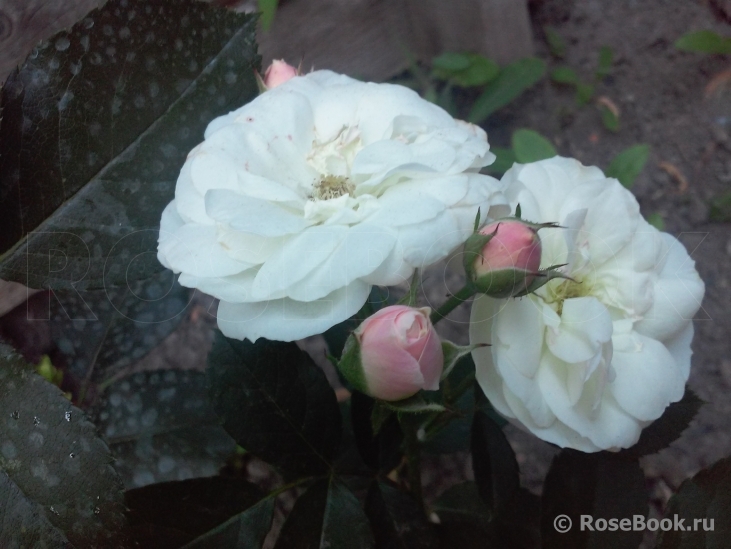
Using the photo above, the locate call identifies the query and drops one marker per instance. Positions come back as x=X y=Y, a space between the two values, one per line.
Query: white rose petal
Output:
x=587 y=363
x=298 y=202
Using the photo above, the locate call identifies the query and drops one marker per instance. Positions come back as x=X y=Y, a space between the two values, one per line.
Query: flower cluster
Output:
x=298 y=203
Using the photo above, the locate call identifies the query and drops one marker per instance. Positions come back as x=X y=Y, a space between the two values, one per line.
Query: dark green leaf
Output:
x=704 y=504
x=161 y=426
x=100 y=333
x=504 y=160
x=556 y=43
x=381 y=451
x=397 y=520
x=24 y=523
x=512 y=81
x=704 y=41
x=628 y=164
x=417 y=404
x=496 y=471
x=530 y=146
x=609 y=119
x=464 y=519
x=656 y=220
x=564 y=75
x=451 y=62
x=245 y=530
x=720 y=210
x=666 y=429
x=480 y=71
x=326 y=515
x=96 y=126
x=584 y=92
x=189 y=507
x=268 y=9
x=54 y=460
x=596 y=485
x=606 y=57
x=275 y=402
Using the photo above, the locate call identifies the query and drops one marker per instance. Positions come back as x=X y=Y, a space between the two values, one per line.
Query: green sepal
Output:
x=503 y=283
x=415 y=404
x=411 y=296
x=477 y=221
x=350 y=364
x=260 y=82
x=542 y=278
x=452 y=354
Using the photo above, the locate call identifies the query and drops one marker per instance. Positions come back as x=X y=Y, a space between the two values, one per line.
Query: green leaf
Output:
x=628 y=164
x=704 y=504
x=596 y=485
x=98 y=123
x=704 y=41
x=564 y=75
x=657 y=221
x=247 y=529
x=720 y=210
x=504 y=160
x=606 y=58
x=451 y=62
x=56 y=469
x=396 y=519
x=530 y=146
x=496 y=470
x=160 y=426
x=512 y=81
x=101 y=333
x=326 y=515
x=465 y=69
x=584 y=92
x=382 y=450
x=25 y=523
x=667 y=428
x=268 y=9
x=275 y=402
x=188 y=508
x=556 y=43
x=609 y=119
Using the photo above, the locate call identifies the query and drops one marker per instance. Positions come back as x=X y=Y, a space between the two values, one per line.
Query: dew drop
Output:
x=67 y=416
x=72 y=455
x=62 y=44
x=36 y=421
x=97 y=510
x=53 y=510
x=15 y=414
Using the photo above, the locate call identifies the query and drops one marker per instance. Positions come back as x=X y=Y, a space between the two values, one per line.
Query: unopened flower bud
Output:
x=504 y=257
x=394 y=353
x=278 y=73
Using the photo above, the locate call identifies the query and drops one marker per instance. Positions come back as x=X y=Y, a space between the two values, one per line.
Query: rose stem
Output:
x=453 y=302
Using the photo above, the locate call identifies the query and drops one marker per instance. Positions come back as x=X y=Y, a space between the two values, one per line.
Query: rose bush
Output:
x=300 y=201
x=588 y=363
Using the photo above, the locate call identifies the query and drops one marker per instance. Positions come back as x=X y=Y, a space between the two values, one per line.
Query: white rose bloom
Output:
x=300 y=201
x=589 y=364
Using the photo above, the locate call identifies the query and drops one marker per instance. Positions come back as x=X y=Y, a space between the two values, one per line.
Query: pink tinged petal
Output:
x=647 y=377
x=393 y=377
x=193 y=249
x=169 y=223
x=362 y=250
x=251 y=215
x=678 y=294
x=297 y=259
x=431 y=362
x=289 y=320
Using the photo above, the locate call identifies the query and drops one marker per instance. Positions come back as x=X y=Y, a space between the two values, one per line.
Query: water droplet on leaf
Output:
x=67 y=416
x=15 y=414
x=36 y=421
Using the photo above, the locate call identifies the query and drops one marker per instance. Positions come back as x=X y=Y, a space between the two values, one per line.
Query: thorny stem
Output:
x=453 y=302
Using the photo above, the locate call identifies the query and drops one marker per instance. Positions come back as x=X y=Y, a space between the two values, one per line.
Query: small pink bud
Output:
x=508 y=262
x=399 y=353
x=278 y=73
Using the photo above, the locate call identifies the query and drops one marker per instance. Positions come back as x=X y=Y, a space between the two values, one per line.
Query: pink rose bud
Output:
x=504 y=257
x=278 y=73
x=394 y=353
